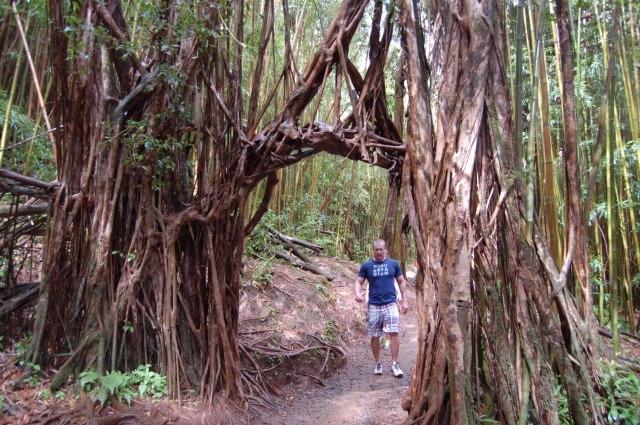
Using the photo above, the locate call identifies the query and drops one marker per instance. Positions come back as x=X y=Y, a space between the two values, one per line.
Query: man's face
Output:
x=378 y=251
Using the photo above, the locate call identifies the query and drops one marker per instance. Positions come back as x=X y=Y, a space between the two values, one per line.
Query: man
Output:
x=385 y=340
x=380 y=272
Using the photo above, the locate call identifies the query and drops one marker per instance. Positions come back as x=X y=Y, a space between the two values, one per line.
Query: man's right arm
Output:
x=358 y=289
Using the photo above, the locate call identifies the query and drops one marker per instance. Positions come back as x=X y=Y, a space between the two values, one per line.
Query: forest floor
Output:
x=295 y=311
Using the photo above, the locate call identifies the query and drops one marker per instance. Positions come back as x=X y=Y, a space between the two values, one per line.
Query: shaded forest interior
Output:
x=149 y=150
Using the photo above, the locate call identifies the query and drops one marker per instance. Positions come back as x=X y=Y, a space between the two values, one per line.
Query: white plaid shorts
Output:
x=383 y=318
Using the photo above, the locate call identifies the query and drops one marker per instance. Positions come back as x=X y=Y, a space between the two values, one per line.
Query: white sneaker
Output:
x=378 y=369
x=397 y=372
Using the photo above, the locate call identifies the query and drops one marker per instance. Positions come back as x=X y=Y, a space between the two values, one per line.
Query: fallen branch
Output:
x=282 y=238
x=608 y=334
x=633 y=365
x=30 y=181
x=304 y=266
x=22 y=210
x=21 y=295
x=114 y=420
x=311 y=246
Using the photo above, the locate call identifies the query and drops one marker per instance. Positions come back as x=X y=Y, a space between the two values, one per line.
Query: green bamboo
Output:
x=547 y=175
x=624 y=172
x=532 y=128
x=631 y=99
x=6 y=127
x=631 y=74
x=313 y=184
x=601 y=291
x=347 y=217
x=42 y=56
x=625 y=299
x=611 y=229
x=520 y=35
x=277 y=198
x=34 y=76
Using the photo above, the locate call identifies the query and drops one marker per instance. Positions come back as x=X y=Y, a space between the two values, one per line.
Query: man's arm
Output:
x=402 y=284
x=358 y=288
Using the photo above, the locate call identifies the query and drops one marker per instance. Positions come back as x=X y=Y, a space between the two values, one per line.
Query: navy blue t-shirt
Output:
x=381 y=279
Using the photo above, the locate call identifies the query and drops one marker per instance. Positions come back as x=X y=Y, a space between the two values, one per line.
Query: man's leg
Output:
x=395 y=345
x=375 y=348
x=393 y=327
x=395 y=348
x=374 y=330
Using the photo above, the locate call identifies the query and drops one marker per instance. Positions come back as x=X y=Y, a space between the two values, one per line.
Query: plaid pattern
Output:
x=383 y=318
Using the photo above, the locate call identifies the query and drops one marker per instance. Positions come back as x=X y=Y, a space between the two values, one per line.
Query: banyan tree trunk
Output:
x=491 y=342
x=142 y=257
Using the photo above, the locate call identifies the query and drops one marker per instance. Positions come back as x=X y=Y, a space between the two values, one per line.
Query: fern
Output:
x=113 y=381
x=88 y=379
x=142 y=382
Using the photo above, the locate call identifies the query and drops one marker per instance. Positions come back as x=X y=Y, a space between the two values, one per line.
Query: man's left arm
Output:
x=402 y=284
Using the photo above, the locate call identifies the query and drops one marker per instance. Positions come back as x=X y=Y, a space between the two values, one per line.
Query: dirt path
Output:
x=354 y=395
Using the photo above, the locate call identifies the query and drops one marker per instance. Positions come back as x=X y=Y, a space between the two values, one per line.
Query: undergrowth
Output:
x=142 y=382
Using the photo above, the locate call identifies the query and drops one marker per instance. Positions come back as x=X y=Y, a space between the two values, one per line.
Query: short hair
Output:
x=377 y=241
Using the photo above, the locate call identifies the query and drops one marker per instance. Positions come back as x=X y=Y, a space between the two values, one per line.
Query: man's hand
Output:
x=359 y=297
x=405 y=306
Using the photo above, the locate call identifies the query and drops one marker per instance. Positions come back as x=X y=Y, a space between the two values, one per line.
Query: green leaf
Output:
x=88 y=377
x=114 y=380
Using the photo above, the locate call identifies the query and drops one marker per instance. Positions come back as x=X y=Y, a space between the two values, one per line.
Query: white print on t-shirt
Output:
x=380 y=270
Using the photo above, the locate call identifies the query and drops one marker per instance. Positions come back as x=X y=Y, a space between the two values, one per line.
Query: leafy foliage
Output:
x=620 y=393
x=149 y=154
x=27 y=151
x=559 y=393
x=321 y=202
x=142 y=382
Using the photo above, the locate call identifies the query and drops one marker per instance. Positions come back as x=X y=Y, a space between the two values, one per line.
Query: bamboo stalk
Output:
x=623 y=229
x=606 y=92
x=6 y=127
x=313 y=184
x=36 y=83
x=611 y=230
x=547 y=180
x=532 y=128
x=601 y=291
x=520 y=35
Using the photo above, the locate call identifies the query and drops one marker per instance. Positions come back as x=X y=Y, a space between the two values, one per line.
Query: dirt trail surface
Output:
x=354 y=395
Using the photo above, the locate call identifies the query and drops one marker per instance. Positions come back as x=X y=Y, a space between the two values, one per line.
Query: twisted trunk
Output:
x=486 y=314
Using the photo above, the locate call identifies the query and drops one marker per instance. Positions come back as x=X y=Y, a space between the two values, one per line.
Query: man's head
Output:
x=379 y=249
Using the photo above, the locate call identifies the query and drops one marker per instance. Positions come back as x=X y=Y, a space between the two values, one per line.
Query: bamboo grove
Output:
x=243 y=63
